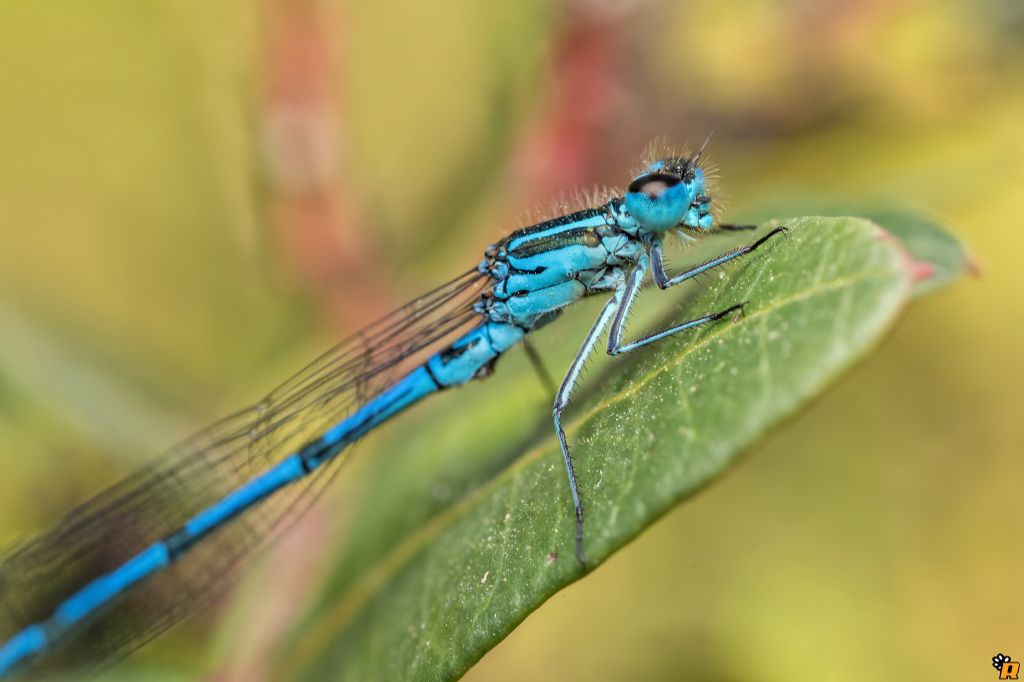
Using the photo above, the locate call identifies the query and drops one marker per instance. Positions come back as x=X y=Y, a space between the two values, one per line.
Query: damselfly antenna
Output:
x=696 y=157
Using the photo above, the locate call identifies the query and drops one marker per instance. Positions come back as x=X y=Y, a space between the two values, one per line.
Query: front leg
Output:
x=632 y=289
x=664 y=281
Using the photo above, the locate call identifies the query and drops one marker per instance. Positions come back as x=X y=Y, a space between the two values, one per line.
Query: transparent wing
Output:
x=102 y=533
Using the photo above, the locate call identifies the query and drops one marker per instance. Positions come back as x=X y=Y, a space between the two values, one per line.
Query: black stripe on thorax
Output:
x=555 y=238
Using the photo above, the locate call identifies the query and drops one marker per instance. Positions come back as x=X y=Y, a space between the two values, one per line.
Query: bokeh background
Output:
x=196 y=197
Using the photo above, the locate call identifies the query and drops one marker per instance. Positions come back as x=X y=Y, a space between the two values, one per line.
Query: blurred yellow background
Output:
x=197 y=197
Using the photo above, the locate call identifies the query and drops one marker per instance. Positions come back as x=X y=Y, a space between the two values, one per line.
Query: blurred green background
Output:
x=195 y=198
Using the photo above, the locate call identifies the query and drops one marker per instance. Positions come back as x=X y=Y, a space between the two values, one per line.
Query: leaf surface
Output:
x=464 y=523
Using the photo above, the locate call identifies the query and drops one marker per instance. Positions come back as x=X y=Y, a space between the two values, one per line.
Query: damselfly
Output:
x=143 y=554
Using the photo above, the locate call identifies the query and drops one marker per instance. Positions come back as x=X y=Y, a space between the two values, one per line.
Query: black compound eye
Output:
x=654 y=184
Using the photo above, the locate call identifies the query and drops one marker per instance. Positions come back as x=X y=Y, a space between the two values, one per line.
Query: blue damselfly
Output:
x=143 y=554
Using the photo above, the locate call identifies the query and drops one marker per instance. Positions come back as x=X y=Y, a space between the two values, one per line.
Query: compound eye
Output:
x=658 y=201
x=654 y=185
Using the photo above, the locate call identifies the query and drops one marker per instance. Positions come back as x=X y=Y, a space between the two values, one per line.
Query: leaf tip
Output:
x=919 y=270
x=974 y=268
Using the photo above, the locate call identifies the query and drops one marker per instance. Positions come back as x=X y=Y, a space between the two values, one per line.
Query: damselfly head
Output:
x=670 y=193
x=682 y=166
x=670 y=190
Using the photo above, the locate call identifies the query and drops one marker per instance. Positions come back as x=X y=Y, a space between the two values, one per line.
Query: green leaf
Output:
x=924 y=235
x=464 y=525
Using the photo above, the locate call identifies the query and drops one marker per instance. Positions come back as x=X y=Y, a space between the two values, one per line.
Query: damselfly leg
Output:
x=541 y=370
x=562 y=400
x=616 y=313
x=664 y=281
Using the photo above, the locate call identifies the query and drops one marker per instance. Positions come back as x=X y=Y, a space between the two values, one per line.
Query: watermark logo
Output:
x=1008 y=670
